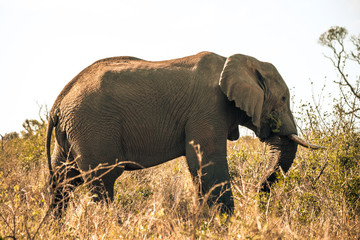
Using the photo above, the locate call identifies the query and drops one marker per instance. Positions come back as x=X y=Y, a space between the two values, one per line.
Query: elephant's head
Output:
x=258 y=89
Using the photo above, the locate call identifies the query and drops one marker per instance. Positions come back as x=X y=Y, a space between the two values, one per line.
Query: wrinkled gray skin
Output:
x=125 y=109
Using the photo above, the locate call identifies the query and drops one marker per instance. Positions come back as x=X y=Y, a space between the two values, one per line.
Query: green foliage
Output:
x=274 y=122
x=10 y=136
x=29 y=148
x=333 y=35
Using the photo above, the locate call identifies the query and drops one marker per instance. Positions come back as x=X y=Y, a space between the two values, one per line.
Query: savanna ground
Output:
x=319 y=198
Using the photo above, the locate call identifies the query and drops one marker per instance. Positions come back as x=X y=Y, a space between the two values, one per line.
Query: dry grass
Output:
x=161 y=202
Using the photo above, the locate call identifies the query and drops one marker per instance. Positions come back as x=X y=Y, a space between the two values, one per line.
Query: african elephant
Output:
x=138 y=114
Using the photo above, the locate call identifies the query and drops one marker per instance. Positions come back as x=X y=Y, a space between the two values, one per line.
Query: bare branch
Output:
x=334 y=39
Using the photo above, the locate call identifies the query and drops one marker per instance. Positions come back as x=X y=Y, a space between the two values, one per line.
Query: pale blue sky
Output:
x=44 y=44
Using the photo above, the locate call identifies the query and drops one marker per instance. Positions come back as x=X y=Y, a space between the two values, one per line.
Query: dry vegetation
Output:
x=318 y=199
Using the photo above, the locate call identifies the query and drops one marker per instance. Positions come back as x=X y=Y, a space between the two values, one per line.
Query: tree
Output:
x=336 y=40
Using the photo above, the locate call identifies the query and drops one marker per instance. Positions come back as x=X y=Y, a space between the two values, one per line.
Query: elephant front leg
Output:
x=209 y=169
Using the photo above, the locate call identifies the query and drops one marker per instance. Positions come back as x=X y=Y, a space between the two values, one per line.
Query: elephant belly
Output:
x=138 y=159
x=152 y=134
x=151 y=146
x=134 y=150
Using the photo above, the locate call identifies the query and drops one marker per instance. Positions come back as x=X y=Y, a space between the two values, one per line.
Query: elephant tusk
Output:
x=302 y=142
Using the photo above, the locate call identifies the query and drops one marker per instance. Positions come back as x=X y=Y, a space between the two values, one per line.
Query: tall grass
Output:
x=319 y=198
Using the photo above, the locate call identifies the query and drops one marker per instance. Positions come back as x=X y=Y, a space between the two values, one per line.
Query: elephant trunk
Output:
x=282 y=154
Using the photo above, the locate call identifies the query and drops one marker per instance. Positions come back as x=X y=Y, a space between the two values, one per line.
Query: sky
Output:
x=44 y=43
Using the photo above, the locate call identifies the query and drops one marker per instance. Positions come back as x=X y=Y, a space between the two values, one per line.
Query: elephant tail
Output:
x=51 y=125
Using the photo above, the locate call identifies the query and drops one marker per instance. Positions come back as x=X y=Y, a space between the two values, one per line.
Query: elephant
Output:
x=132 y=114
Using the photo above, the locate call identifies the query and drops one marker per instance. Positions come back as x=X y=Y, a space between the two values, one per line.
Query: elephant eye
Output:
x=283 y=99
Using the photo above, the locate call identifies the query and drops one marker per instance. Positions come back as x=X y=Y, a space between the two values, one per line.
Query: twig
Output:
x=42 y=222
x=6 y=222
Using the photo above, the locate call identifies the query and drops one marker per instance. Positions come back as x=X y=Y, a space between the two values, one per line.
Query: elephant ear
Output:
x=241 y=82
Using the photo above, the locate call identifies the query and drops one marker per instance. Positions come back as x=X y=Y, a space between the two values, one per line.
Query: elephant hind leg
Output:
x=64 y=181
x=102 y=182
x=66 y=176
x=102 y=188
